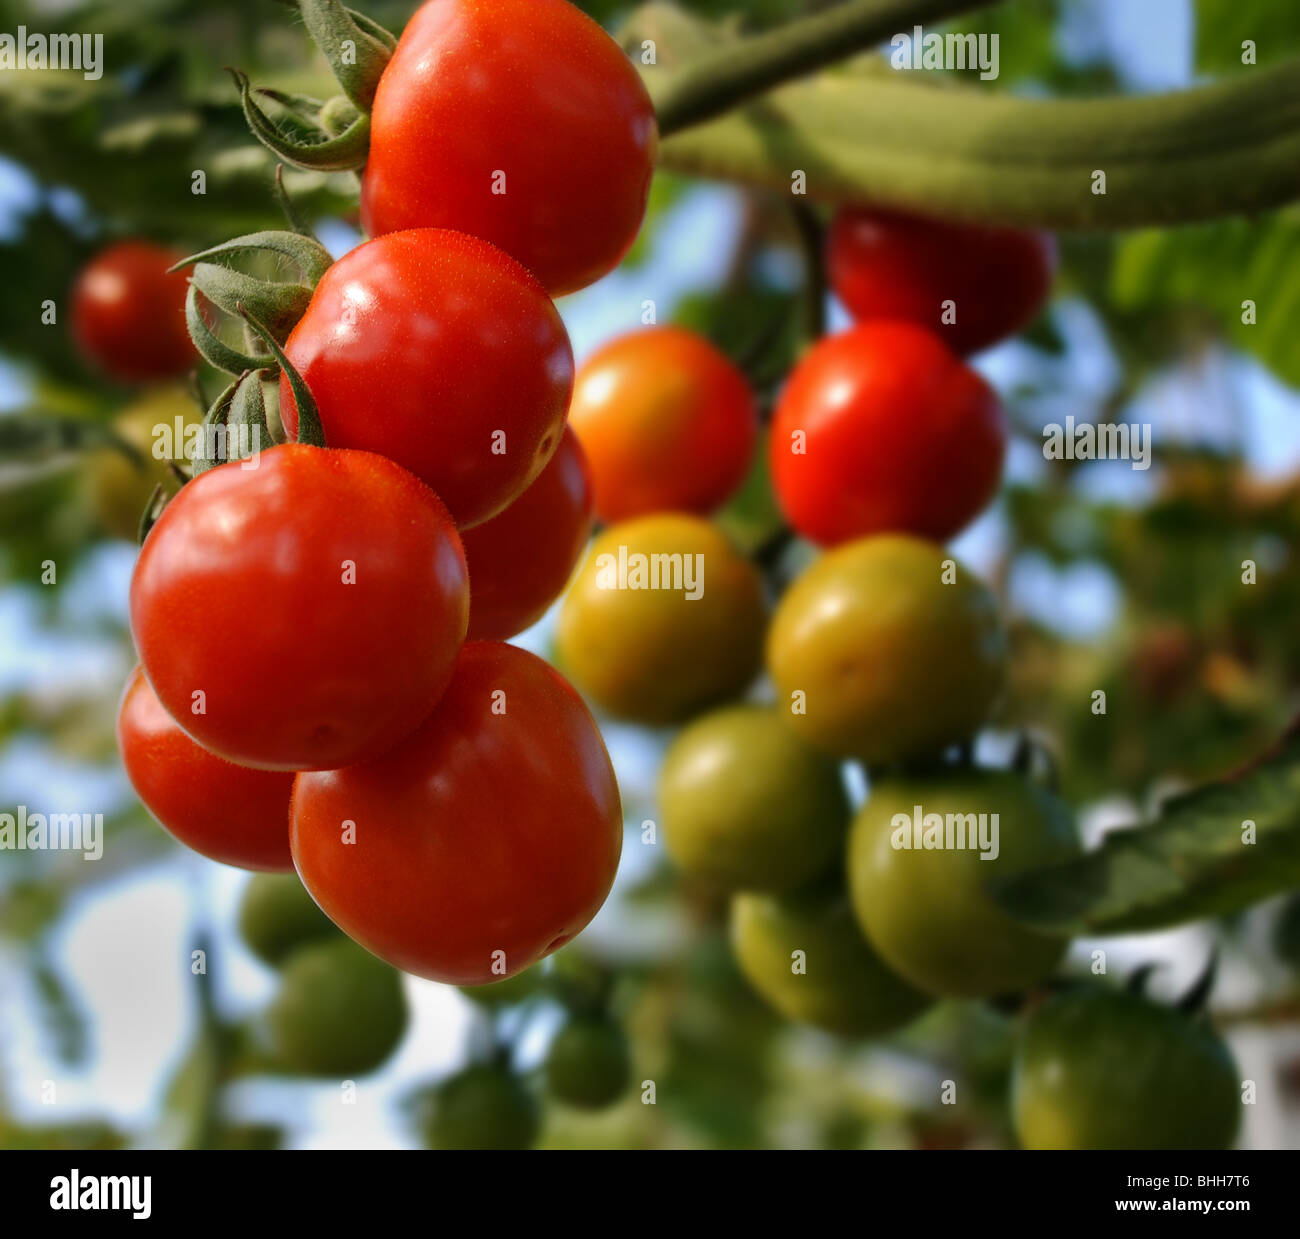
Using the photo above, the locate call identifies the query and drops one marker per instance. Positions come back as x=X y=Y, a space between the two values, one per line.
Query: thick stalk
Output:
x=716 y=83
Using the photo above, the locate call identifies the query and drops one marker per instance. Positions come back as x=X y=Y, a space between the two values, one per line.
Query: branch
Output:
x=717 y=83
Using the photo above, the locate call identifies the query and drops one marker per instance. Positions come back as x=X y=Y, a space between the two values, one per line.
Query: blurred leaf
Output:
x=1223 y=25
x=1190 y=863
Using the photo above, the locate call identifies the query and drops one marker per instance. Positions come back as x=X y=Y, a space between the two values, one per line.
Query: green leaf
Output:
x=1212 y=270
x=1190 y=863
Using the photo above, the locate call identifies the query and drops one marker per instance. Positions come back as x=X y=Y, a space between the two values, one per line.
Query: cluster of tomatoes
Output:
x=325 y=683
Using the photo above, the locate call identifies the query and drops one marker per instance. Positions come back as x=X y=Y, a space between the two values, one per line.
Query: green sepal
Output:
x=335 y=28
x=214 y=350
x=344 y=152
x=248 y=414
x=297 y=224
x=216 y=416
x=279 y=306
x=305 y=252
x=310 y=431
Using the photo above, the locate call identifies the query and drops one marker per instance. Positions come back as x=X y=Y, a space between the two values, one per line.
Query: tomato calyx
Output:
x=337 y=139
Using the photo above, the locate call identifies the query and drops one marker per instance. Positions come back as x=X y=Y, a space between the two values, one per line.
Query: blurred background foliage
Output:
x=1113 y=579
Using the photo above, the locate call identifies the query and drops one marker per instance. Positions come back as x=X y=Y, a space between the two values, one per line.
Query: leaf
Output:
x=1188 y=864
x=1213 y=269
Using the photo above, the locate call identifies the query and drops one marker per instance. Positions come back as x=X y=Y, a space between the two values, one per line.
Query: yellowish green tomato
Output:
x=808 y=959
x=664 y=619
x=486 y=1106
x=886 y=649
x=118 y=487
x=920 y=893
x=339 y=1011
x=746 y=805
x=1107 y=1069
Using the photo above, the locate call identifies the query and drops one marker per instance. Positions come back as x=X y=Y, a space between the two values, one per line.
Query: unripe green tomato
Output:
x=339 y=1011
x=1286 y=932
x=483 y=1107
x=119 y=488
x=885 y=649
x=665 y=619
x=588 y=1065
x=277 y=916
x=1107 y=1069
x=841 y=985
x=746 y=805
x=927 y=910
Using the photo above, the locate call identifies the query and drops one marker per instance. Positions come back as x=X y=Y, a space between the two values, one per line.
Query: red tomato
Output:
x=882 y=429
x=886 y=265
x=226 y=812
x=520 y=561
x=491 y=836
x=128 y=314
x=441 y=352
x=302 y=614
x=520 y=121
x=667 y=422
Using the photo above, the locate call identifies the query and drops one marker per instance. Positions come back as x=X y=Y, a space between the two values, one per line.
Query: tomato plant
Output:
x=128 y=313
x=805 y=955
x=302 y=614
x=919 y=877
x=885 y=649
x=226 y=812
x=521 y=560
x=664 y=619
x=973 y=285
x=484 y=841
x=439 y=351
x=1108 y=1069
x=746 y=806
x=488 y=80
x=667 y=422
x=881 y=429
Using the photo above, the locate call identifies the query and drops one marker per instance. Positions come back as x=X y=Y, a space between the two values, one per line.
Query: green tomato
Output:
x=884 y=649
x=747 y=806
x=505 y=992
x=664 y=619
x=926 y=909
x=339 y=1011
x=807 y=958
x=277 y=916
x=1107 y=1069
x=588 y=1065
x=483 y=1107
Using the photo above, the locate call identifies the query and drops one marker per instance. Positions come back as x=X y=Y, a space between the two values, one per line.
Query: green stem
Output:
x=715 y=84
x=1227 y=148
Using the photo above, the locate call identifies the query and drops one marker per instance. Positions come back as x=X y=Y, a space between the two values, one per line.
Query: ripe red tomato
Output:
x=128 y=314
x=302 y=614
x=490 y=836
x=667 y=422
x=881 y=429
x=886 y=265
x=228 y=813
x=441 y=352
x=520 y=561
x=520 y=121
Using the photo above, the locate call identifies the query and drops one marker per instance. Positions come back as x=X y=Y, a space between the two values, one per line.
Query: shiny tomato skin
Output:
x=880 y=429
x=128 y=313
x=520 y=561
x=668 y=422
x=225 y=812
x=318 y=601
x=887 y=265
x=495 y=828
x=428 y=346
x=520 y=121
